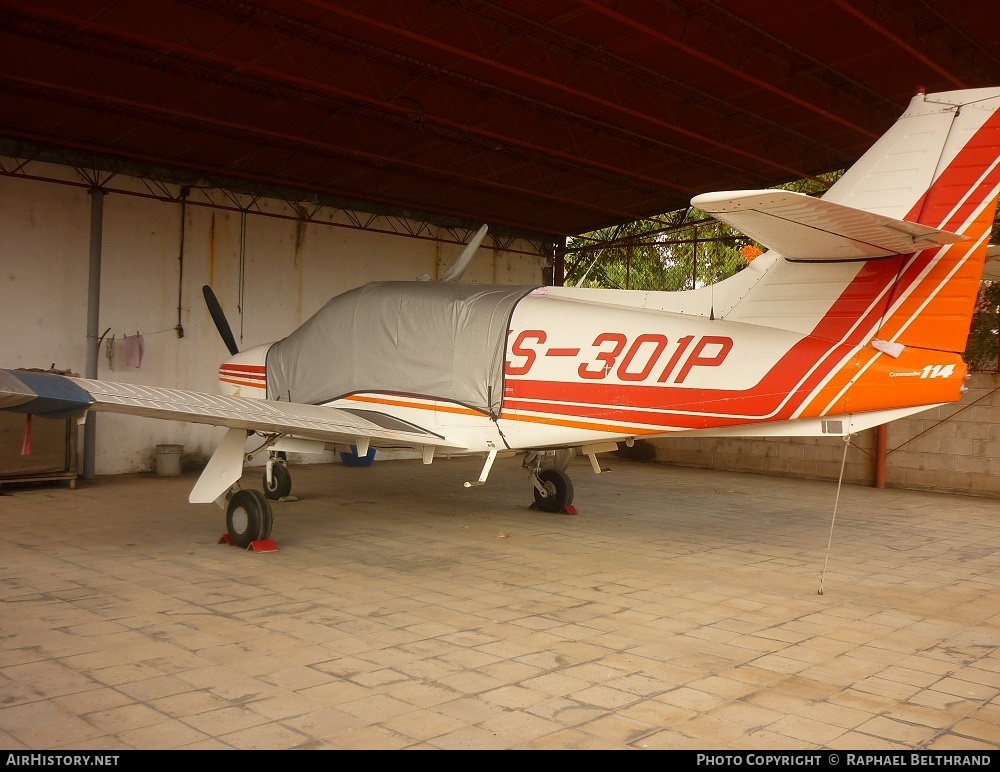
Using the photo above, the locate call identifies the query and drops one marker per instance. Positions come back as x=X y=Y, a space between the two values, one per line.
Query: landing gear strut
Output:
x=277 y=478
x=248 y=514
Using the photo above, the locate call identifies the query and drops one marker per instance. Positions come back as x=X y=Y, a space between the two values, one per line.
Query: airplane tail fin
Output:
x=881 y=275
x=939 y=167
x=905 y=229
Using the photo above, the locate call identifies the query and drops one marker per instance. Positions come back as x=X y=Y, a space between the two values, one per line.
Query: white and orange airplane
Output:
x=857 y=315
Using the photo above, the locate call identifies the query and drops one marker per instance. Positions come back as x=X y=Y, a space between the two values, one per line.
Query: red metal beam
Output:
x=598 y=7
x=555 y=85
x=231 y=65
x=897 y=41
x=612 y=63
x=227 y=173
x=547 y=38
x=323 y=147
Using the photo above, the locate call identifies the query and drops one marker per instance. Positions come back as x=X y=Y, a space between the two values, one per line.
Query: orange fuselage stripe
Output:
x=238 y=382
x=415 y=405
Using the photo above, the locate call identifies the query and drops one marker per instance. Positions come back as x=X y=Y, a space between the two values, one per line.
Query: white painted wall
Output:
x=291 y=270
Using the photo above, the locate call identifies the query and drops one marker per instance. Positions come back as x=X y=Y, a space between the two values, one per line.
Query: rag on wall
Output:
x=134 y=347
x=109 y=351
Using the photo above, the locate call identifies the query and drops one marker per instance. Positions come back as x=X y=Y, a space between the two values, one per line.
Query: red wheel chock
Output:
x=569 y=509
x=262 y=545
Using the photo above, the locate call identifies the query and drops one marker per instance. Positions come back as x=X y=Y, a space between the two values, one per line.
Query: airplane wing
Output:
x=801 y=227
x=58 y=396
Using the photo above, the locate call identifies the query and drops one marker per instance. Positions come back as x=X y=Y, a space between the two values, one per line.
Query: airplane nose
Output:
x=241 y=374
x=245 y=374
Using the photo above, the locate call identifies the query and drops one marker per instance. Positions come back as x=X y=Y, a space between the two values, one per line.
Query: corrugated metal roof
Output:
x=552 y=117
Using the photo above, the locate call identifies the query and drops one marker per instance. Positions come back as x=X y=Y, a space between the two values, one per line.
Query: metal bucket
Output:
x=168 y=460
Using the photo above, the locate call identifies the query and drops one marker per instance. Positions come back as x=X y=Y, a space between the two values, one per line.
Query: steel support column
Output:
x=881 y=437
x=559 y=264
x=93 y=321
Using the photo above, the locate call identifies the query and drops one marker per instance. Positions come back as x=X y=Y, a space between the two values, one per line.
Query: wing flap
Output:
x=801 y=227
x=308 y=421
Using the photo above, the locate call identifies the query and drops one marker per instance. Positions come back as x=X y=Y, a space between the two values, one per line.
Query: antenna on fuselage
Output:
x=459 y=267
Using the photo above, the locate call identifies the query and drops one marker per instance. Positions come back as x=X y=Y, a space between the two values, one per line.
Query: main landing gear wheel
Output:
x=281 y=482
x=558 y=490
x=248 y=518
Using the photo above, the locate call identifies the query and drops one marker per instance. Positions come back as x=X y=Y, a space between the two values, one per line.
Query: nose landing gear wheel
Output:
x=559 y=490
x=248 y=518
x=281 y=482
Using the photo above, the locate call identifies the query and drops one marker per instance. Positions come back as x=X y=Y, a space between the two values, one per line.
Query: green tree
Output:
x=981 y=350
x=674 y=251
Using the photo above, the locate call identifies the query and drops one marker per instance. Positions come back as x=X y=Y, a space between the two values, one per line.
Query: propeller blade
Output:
x=458 y=268
x=219 y=317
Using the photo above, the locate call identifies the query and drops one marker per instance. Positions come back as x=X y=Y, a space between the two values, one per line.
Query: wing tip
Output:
x=42 y=394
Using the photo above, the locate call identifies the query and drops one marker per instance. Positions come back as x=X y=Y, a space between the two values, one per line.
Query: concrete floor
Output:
x=678 y=610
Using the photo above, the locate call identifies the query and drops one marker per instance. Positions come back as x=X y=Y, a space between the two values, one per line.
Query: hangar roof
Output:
x=543 y=117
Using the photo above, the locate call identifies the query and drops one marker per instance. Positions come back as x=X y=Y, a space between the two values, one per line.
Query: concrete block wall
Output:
x=813 y=457
x=953 y=448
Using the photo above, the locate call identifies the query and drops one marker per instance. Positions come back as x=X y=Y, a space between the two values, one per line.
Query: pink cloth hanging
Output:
x=134 y=347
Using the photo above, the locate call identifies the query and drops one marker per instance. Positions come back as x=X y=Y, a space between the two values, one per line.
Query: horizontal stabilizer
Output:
x=801 y=227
